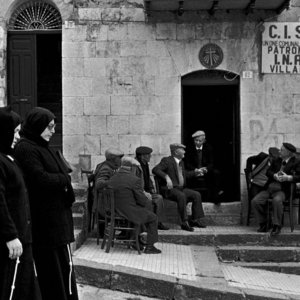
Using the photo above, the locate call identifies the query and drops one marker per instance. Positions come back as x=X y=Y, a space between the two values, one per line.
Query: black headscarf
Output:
x=9 y=120
x=35 y=123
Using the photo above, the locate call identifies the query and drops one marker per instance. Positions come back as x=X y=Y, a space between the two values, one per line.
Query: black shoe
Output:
x=186 y=226
x=161 y=226
x=275 y=230
x=262 y=227
x=151 y=250
x=197 y=223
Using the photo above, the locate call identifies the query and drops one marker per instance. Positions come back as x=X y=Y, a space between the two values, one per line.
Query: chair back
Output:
x=107 y=202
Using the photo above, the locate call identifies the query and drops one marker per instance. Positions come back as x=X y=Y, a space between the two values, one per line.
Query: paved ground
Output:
x=198 y=265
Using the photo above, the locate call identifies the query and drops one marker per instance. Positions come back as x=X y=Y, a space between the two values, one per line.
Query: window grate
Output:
x=35 y=16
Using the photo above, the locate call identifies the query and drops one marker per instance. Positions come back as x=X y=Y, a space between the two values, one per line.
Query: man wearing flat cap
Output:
x=131 y=202
x=172 y=178
x=143 y=156
x=199 y=158
x=282 y=172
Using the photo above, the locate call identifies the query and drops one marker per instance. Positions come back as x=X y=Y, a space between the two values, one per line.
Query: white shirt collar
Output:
x=199 y=148
x=177 y=160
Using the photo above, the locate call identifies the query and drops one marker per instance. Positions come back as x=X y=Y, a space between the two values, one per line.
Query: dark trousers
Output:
x=158 y=206
x=182 y=197
x=259 y=204
x=151 y=229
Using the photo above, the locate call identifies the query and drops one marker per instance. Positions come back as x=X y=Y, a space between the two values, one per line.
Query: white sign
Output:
x=247 y=74
x=281 y=48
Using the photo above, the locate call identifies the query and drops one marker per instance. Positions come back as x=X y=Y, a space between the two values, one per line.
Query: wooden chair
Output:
x=114 y=222
x=248 y=184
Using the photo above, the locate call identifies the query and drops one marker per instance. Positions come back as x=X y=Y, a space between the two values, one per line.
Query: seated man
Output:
x=131 y=202
x=173 y=175
x=256 y=167
x=282 y=171
x=199 y=158
x=143 y=155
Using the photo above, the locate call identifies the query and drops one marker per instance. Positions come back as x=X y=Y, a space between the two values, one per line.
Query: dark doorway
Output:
x=34 y=75
x=211 y=103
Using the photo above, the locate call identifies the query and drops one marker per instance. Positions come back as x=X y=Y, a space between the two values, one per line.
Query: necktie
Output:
x=180 y=175
x=199 y=158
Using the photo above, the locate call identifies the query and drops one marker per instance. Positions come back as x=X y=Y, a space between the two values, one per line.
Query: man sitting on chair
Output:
x=172 y=174
x=131 y=202
x=282 y=171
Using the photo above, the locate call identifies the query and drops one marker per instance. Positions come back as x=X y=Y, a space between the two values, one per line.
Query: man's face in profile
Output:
x=199 y=141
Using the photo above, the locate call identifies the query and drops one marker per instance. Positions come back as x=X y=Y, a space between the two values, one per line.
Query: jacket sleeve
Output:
x=138 y=192
x=160 y=170
x=102 y=175
x=8 y=230
x=296 y=175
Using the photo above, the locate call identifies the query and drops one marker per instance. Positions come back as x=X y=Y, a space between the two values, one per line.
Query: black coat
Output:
x=50 y=193
x=130 y=200
x=14 y=206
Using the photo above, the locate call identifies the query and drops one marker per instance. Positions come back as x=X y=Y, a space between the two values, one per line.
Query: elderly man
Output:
x=282 y=171
x=199 y=158
x=143 y=156
x=172 y=175
x=131 y=202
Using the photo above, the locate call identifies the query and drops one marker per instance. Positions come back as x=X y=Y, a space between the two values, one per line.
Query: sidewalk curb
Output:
x=163 y=286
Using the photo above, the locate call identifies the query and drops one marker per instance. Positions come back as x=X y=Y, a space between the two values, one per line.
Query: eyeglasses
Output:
x=51 y=127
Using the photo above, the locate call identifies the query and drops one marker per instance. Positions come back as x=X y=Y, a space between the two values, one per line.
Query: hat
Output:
x=274 y=152
x=143 y=150
x=113 y=152
x=198 y=133
x=176 y=146
x=289 y=147
x=129 y=161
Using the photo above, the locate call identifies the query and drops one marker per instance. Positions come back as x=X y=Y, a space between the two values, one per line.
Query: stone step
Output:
x=79 y=206
x=284 y=267
x=258 y=254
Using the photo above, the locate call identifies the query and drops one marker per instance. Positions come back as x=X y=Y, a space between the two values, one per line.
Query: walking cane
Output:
x=14 y=279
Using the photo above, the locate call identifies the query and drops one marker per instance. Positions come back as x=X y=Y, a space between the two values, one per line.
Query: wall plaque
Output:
x=211 y=56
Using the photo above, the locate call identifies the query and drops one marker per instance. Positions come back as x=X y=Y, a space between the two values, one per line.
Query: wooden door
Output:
x=21 y=77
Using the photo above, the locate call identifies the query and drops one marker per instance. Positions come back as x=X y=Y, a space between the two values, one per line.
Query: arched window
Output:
x=35 y=15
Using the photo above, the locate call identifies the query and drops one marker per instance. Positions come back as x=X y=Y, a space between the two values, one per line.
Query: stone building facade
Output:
x=123 y=68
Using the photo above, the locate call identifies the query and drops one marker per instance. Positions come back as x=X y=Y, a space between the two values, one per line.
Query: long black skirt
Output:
x=23 y=278
x=55 y=273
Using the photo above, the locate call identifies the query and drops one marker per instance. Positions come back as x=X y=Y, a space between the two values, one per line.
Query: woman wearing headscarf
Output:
x=17 y=273
x=51 y=196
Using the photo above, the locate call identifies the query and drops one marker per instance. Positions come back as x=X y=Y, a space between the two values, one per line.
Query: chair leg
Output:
x=137 y=242
x=98 y=229
x=291 y=216
x=111 y=235
x=249 y=212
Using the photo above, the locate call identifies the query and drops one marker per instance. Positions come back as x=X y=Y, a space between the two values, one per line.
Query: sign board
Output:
x=281 y=48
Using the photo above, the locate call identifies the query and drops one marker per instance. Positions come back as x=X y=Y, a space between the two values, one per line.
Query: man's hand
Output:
x=15 y=248
x=169 y=183
x=148 y=195
x=284 y=177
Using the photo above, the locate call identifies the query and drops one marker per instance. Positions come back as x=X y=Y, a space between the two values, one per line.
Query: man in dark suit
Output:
x=199 y=158
x=131 y=202
x=282 y=172
x=172 y=175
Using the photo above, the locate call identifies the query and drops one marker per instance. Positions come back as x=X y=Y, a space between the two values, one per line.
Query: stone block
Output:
x=78 y=49
x=128 y=143
x=143 y=85
x=141 y=124
x=77 y=86
x=117 y=124
x=169 y=104
x=132 y=65
x=141 y=32
x=167 y=67
x=165 y=141
x=252 y=103
x=185 y=31
x=109 y=49
x=166 y=31
x=97 y=106
x=117 y=31
x=77 y=34
x=113 y=69
x=98 y=125
x=92 y=144
x=157 y=49
x=152 y=141
x=96 y=32
x=108 y=141
x=279 y=103
x=99 y=86
x=94 y=67
x=255 y=85
x=133 y=48
x=75 y=125
x=73 y=145
x=111 y=14
x=72 y=67
x=89 y=14
x=120 y=85
x=132 y=15
x=123 y=105
x=73 y=106
x=147 y=105
x=167 y=86
x=211 y=29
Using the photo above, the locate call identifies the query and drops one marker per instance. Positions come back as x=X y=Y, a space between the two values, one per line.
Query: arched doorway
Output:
x=210 y=102
x=34 y=64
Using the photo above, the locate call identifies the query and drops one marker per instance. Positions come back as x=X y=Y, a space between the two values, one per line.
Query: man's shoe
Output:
x=161 y=226
x=186 y=226
x=197 y=223
x=134 y=247
x=262 y=227
x=151 y=250
x=275 y=230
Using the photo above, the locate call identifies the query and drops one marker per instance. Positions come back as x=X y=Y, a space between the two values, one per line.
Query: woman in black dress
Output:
x=17 y=273
x=51 y=196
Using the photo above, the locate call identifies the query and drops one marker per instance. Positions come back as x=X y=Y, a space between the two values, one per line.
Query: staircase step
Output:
x=258 y=254
x=78 y=220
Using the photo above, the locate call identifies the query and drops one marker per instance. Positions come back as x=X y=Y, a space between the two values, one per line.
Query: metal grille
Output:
x=35 y=16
